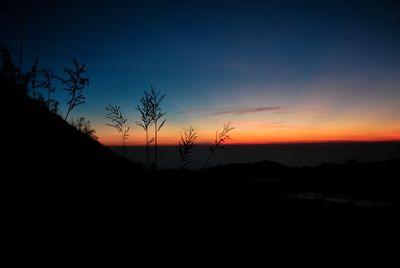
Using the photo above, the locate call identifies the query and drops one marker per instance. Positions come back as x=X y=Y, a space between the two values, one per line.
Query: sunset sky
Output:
x=281 y=71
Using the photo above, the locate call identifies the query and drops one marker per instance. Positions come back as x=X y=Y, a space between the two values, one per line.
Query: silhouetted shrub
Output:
x=84 y=126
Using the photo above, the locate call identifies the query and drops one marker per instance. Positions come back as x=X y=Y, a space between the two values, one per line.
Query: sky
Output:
x=280 y=71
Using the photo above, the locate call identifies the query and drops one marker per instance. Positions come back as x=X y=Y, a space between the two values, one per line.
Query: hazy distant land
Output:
x=294 y=155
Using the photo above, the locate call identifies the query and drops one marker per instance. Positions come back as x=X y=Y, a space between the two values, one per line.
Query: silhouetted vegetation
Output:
x=10 y=76
x=185 y=147
x=39 y=78
x=118 y=122
x=42 y=78
x=145 y=109
x=74 y=85
x=220 y=139
x=156 y=114
x=84 y=126
x=86 y=192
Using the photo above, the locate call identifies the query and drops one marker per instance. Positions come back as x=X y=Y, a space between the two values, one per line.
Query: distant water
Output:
x=288 y=154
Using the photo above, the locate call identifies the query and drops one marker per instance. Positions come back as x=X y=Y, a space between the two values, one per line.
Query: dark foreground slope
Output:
x=51 y=169
x=59 y=177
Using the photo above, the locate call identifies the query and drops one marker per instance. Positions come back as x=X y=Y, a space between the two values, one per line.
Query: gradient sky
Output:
x=281 y=71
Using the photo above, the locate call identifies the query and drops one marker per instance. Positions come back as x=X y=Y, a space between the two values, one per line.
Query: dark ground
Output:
x=53 y=159
x=60 y=185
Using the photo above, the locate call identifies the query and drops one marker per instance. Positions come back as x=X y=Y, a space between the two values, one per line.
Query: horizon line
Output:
x=267 y=143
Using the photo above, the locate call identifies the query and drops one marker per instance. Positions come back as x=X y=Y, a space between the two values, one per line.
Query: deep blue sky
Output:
x=325 y=65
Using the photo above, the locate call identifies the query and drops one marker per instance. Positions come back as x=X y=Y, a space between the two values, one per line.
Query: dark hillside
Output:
x=52 y=170
x=55 y=173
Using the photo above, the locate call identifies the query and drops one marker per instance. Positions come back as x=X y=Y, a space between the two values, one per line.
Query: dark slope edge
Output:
x=52 y=170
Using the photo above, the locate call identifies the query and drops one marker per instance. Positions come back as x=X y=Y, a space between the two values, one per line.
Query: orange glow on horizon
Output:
x=273 y=137
x=302 y=127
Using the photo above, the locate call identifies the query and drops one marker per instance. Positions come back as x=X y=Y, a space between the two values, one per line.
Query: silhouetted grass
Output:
x=220 y=139
x=118 y=122
x=74 y=178
x=43 y=78
x=145 y=109
x=155 y=98
x=74 y=85
x=185 y=147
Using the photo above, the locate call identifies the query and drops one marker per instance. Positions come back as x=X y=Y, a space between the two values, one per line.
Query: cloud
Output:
x=283 y=112
x=241 y=111
x=283 y=125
